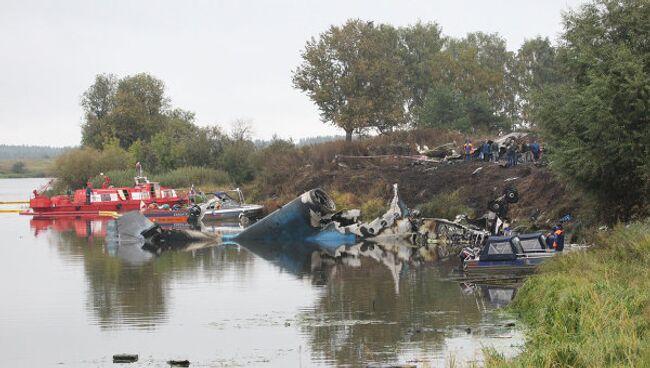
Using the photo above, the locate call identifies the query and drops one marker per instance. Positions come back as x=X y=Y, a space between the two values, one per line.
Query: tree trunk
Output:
x=348 y=135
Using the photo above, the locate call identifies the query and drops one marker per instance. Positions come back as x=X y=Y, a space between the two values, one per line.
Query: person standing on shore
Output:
x=525 y=151
x=558 y=243
x=511 y=153
x=534 y=148
x=494 y=149
x=485 y=151
x=467 y=148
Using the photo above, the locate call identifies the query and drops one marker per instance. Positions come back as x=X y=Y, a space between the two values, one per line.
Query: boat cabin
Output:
x=144 y=190
x=507 y=248
x=222 y=200
x=532 y=243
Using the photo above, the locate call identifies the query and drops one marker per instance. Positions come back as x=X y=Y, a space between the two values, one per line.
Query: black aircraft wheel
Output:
x=511 y=194
x=494 y=206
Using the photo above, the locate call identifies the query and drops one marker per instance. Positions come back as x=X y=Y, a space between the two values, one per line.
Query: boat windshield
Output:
x=222 y=200
x=500 y=248
x=531 y=245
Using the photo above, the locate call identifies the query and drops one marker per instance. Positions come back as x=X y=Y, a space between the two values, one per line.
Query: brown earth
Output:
x=541 y=195
x=362 y=172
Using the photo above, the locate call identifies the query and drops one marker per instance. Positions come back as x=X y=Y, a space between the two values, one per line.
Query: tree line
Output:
x=587 y=95
x=131 y=119
x=367 y=76
x=27 y=152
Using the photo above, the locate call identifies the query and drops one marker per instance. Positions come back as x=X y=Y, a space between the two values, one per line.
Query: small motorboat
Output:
x=223 y=207
x=516 y=253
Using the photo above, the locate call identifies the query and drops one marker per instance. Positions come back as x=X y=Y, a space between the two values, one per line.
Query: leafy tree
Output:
x=536 y=67
x=477 y=64
x=419 y=44
x=237 y=161
x=353 y=73
x=598 y=121
x=132 y=108
x=140 y=104
x=98 y=102
x=446 y=107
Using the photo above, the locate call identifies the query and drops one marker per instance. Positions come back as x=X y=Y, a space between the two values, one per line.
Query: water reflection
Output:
x=382 y=303
x=498 y=295
x=376 y=303
x=125 y=286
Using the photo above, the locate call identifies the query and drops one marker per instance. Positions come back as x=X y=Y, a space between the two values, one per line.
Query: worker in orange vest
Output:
x=467 y=148
x=558 y=243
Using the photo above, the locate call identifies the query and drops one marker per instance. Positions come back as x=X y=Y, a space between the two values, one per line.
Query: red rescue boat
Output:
x=92 y=201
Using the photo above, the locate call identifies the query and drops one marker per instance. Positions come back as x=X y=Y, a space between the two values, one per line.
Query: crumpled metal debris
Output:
x=313 y=218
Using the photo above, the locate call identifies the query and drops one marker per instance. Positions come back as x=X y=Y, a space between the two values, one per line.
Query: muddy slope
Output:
x=542 y=195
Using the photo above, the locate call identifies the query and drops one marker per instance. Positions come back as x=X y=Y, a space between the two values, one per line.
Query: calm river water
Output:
x=70 y=298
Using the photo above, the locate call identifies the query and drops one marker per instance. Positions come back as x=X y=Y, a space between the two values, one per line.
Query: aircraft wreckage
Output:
x=312 y=221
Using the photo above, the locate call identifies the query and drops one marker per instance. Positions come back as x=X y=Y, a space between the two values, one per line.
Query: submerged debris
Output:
x=135 y=229
x=179 y=363
x=125 y=358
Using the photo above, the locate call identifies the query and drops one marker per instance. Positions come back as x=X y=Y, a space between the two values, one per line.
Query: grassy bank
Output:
x=589 y=309
x=28 y=168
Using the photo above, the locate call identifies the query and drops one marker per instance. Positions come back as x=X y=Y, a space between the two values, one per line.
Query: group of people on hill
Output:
x=490 y=150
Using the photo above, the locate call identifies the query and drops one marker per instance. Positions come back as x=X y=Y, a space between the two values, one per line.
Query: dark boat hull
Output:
x=251 y=212
x=523 y=264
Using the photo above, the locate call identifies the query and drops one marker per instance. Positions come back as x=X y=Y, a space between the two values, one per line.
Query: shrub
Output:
x=184 y=177
x=372 y=208
x=277 y=163
x=344 y=200
x=446 y=205
x=119 y=178
x=236 y=160
x=18 y=167
x=75 y=167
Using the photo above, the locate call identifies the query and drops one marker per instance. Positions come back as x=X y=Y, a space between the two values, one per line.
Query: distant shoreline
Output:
x=31 y=168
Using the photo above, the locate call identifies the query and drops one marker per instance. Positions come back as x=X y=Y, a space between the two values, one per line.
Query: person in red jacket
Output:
x=107 y=181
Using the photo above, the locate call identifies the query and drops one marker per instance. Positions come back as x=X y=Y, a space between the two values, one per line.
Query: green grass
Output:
x=32 y=168
x=589 y=309
x=445 y=205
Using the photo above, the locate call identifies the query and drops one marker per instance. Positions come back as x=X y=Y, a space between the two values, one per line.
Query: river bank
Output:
x=589 y=309
x=31 y=168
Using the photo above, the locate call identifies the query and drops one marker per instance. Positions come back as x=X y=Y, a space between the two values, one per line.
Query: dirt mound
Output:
x=542 y=196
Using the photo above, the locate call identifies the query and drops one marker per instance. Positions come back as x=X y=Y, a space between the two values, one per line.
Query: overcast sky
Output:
x=223 y=60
